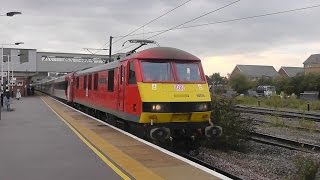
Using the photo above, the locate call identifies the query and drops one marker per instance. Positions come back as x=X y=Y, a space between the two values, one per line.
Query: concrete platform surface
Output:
x=36 y=145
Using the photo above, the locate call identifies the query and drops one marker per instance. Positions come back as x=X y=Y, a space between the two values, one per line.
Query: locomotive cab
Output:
x=174 y=95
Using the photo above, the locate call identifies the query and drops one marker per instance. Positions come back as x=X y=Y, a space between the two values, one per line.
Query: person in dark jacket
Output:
x=7 y=99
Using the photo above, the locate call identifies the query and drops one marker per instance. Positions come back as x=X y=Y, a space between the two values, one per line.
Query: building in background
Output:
x=255 y=72
x=26 y=66
x=288 y=72
x=312 y=64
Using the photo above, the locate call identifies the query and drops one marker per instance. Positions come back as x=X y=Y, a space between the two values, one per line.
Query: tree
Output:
x=264 y=81
x=240 y=83
x=283 y=84
x=216 y=78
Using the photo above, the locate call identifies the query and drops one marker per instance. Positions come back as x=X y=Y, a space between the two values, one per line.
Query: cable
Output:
x=232 y=20
x=218 y=9
x=250 y=17
x=122 y=37
x=195 y=18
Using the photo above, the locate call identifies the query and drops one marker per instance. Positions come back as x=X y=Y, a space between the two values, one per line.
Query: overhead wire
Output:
x=151 y=21
x=198 y=17
x=232 y=20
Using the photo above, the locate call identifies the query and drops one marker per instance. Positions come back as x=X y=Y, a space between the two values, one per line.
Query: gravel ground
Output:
x=277 y=127
x=260 y=161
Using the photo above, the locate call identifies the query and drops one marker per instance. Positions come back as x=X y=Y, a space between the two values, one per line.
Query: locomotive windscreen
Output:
x=188 y=72
x=164 y=71
x=157 y=71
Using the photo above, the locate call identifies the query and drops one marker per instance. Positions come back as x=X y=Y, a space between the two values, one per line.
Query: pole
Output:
x=1 y=80
x=110 y=46
x=11 y=78
x=8 y=75
x=1 y=66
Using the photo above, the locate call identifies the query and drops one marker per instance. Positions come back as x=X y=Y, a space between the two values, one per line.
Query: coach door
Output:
x=121 y=86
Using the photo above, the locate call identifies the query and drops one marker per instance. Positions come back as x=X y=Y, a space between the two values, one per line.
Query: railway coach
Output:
x=159 y=93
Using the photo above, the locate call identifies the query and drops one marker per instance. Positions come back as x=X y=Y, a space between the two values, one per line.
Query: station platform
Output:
x=44 y=139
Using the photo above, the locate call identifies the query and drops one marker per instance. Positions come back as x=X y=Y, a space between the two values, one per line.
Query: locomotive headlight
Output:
x=156 y=107
x=202 y=107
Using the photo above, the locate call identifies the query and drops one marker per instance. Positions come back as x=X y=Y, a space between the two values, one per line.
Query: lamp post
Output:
x=8 y=71
x=17 y=43
x=2 y=85
x=10 y=14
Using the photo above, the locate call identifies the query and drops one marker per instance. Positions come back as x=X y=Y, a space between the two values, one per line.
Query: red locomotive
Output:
x=159 y=93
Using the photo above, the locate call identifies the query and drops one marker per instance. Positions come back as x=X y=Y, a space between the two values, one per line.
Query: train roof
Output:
x=110 y=65
x=163 y=53
x=150 y=54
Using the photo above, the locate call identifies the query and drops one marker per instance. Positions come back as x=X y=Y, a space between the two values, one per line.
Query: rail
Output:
x=284 y=142
x=281 y=113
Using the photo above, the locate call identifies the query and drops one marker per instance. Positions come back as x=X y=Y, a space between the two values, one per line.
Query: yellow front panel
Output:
x=146 y=117
x=173 y=92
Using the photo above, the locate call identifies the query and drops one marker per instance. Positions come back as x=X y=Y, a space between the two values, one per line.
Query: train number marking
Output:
x=200 y=87
x=179 y=87
x=154 y=87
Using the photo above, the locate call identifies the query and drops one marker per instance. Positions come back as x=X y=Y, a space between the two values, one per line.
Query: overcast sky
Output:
x=71 y=25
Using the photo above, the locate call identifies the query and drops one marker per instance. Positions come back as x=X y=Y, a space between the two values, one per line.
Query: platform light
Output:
x=13 y=13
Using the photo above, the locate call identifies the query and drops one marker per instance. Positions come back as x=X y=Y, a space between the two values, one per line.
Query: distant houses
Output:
x=312 y=64
x=285 y=71
x=255 y=72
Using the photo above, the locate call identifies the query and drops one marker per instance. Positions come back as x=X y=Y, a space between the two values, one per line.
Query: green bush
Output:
x=307 y=168
x=235 y=129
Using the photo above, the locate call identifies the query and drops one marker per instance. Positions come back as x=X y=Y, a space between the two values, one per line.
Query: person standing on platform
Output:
x=7 y=99
x=18 y=94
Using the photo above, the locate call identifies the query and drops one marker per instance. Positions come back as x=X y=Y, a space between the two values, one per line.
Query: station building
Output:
x=22 y=67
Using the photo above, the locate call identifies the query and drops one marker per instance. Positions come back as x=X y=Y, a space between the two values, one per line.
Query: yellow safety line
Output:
x=95 y=150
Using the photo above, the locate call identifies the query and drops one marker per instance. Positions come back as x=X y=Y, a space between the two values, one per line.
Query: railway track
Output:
x=284 y=142
x=259 y=122
x=281 y=113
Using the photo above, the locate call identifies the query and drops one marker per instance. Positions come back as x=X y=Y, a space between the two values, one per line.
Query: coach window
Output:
x=95 y=81
x=65 y=85
x=132 y=74
x=110 y=80
x=121 y=74
x=77 y=82
x=85 y=82
x=90 y=82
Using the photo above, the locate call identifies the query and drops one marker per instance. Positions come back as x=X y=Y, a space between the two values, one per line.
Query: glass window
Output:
x=85 y=82
x=95 y=81
x=121 y=74
x=110 y=80
x=132 y=74
x=90 y=82
x=77 y=82
x=157 y=71
x=188 y=72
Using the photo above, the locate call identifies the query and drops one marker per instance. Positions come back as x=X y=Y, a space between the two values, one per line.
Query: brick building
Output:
x=312 y=64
